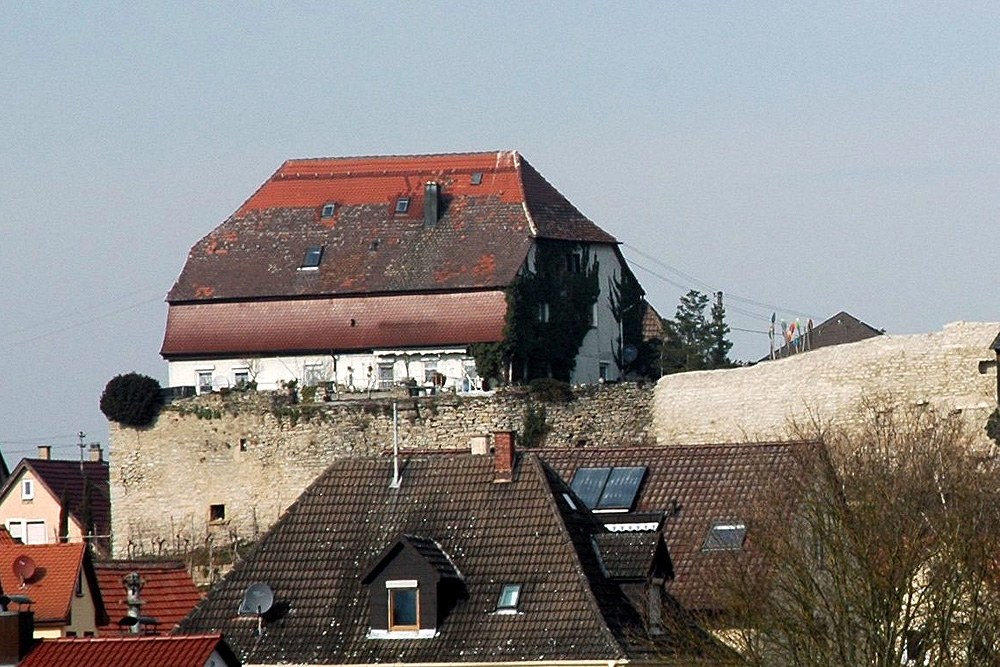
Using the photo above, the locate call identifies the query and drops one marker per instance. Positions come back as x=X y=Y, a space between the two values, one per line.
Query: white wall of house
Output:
x=351 y=372
x=596 y=358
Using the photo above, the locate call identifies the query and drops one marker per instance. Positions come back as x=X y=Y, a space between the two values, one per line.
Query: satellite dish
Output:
x=257 y=600
x=24 y=567
x=630 y=353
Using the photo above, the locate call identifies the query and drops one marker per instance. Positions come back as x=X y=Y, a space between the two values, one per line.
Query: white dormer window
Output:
x=27 y=489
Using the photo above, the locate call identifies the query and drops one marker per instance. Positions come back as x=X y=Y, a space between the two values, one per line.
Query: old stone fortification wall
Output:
x=953 y=369
x=254 y=454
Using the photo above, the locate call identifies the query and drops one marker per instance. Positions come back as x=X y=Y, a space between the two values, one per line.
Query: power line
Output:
x=696 y=281
x=67 y=315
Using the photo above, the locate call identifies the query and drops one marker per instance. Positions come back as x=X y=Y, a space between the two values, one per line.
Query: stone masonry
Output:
x=951 y=370
x=218 y=469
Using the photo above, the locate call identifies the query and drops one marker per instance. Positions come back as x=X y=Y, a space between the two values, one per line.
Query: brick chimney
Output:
x=45 y=452
x=16 y=629
x=96 y=453
x=503 y=446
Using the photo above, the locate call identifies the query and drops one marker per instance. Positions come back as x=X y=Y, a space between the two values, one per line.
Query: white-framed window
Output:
x=241 y=377
x=385 y=376
x=430 y=370
x=204 y=382
x=510 y=595
x=29 y=531
x=602 y=370
x=27 y=489
x=543 y=312
x=312 y=375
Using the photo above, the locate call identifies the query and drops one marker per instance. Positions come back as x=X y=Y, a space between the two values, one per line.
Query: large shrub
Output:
x=132 y=399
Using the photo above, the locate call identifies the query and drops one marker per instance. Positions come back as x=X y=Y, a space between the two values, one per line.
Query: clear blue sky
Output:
x=815 y=158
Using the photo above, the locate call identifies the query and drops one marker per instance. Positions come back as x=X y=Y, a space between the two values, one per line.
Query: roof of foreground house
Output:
x=692 y=487
x=316 y=556
x=52 y=587
x=68 y=482
x=175 y=651
x=168 y=592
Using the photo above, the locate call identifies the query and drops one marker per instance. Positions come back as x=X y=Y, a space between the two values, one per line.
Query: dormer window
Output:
x=402 y=205
x=329 y=209
x=313 y=256
x=404 y=605
x=510 y=595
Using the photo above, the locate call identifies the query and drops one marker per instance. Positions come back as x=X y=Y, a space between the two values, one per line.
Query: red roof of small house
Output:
x=5 y=537
x=68 y=480
x=168 y=592
x=334 y=324
x=162 y=651
x=53 y=585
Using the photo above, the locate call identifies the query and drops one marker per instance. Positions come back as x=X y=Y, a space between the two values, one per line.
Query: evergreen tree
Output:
x=693 y=342
x=718 y=355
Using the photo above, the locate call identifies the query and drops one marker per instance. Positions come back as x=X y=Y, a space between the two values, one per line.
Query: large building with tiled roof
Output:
x=368 y=271
x=38 y=490
x=60 y=583
x=166 y=591
x=176 y=651
x=466 y=560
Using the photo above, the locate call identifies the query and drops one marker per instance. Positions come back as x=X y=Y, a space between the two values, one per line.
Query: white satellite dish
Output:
x=257 y=599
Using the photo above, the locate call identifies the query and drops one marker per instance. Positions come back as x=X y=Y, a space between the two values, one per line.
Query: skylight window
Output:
x=402 y=205
x=510 y=595
x=314 y=254
x=329 y=209
x=476 y=178
x=608 y=489
x=725 y=537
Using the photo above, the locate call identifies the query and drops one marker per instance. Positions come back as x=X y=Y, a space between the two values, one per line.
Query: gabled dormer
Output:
x=412 y=586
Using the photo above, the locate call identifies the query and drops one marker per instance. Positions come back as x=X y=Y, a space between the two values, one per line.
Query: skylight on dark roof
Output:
x=402 y=205
x=608 y=489
x=329 y=209
x=510 y=595
x=725 y=537
x=314 y=254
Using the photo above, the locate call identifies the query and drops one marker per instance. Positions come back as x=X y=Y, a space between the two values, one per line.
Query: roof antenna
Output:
x=81 y=435
x=396 y=481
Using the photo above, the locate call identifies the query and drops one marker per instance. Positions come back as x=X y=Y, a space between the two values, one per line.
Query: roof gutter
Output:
x=512 y=663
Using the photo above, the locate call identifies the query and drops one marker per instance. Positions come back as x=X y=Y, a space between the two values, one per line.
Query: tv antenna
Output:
x=24 y=568
x=258 y=600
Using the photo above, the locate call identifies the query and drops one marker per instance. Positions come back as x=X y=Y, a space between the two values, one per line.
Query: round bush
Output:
x=132 y=399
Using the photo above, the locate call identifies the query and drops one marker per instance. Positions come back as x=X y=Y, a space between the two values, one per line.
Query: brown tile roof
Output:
x=176 y=651
x=627 y=554
x=480 y=240
x=519 y=532
x=67 y=480
x=53 y=585
x=696 y=485
x=837 y=330
x=346 y=323
x=169 y=592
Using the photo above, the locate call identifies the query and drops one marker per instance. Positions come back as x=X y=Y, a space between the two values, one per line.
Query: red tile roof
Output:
x=480 y=240
x=169 y=592
x=5 y=537
x=334 y=324
x=67 y=481
x=53 y=585
x=172 y=651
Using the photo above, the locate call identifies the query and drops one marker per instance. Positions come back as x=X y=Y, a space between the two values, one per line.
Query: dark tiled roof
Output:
x=347 y=323
x=627 y=554
x=480 y=241
x=177 y=651
x=705 y=484
x=837 y=330
x=996 y=344
x=67 y=480
x=519 y=532
x=169 y=592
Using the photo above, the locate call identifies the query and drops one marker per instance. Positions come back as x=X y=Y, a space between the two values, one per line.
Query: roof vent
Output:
x=432 y=202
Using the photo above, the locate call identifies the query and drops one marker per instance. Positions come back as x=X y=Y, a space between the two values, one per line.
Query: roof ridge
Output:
x=518 y=159
x=666 y=448
x=538 y=468
x=397 y=156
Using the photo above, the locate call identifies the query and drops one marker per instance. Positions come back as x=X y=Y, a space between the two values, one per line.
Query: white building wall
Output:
x=600 y=342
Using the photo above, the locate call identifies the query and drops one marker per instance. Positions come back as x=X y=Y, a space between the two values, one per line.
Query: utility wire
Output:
x=64 y=316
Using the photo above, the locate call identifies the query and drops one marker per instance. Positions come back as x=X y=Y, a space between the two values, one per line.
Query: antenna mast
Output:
x=81 y=435
x=395 y=448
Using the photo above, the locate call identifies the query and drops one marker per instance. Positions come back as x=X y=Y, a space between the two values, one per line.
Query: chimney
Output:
x=654 y=618
x=96 y=453
x=16 y=629
x=432 y=201
x=503 y=445
x=45 y=452
x=133 y=586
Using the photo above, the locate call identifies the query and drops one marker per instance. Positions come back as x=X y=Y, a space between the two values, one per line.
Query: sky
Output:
x=803 y=159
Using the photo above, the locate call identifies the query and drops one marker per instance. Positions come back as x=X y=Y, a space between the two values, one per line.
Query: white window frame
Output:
x=27 y=489
x=211 y=381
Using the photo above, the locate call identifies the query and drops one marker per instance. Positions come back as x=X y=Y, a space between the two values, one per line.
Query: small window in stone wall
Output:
x=216 y=513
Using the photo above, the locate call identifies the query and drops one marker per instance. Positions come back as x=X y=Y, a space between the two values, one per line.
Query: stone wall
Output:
x=951 y=370
x=254 y=453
